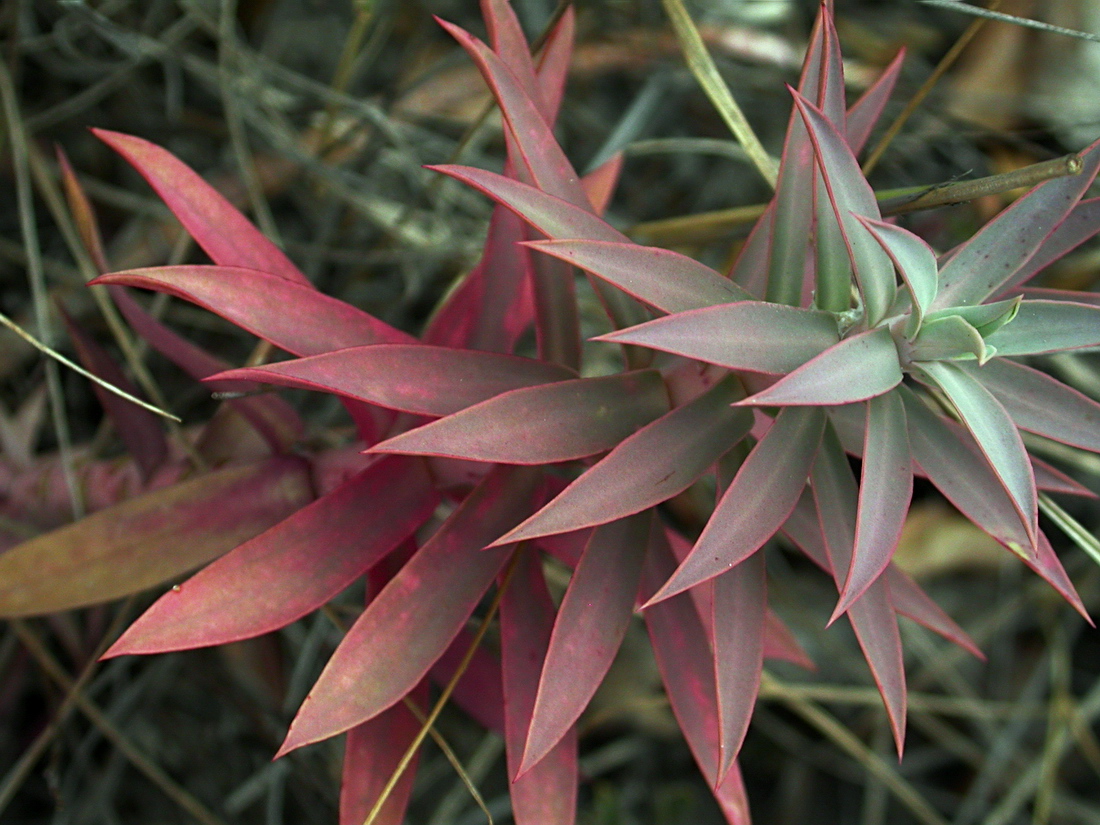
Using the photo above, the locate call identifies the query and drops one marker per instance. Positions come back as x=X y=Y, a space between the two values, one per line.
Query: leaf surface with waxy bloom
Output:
x=995 y=434
x=915 y=261
x=1043 y=326
x=653 y=465
x=885 y=490
x=740 y=614
x=590 y=625
x=415 y=378
x=544 y=424
x=950 y=457
x=861 y=367
x=730 y=537
x=280 y=311
x=217 y=226
x=748 y=335
x=293 y=568
x=547 y=793
x=660 y=277
x=413 y=620
x=149 y=539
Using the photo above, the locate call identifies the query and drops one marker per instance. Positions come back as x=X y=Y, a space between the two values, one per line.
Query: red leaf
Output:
x=222 y=231
x=740 y=611
x=149 y=539
x=293 y=568
x=296 y=318
x=913 y=603
x=542 y=425
x=270 y=415
x=667 y=280
x=876 y=626
x=600 y=183
x=590 y=626
x=651 y=466
x=866 y=111
x=885 y=490
x=396 y=640
x=371 y=754
x=479 y=691
x=415 y=378
x=757 y=502
x=746 y=335
x=547 y=793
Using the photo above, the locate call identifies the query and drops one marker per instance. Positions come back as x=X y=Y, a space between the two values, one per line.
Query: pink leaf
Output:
x=222 y=231
x=479 y=691
x=885 y=489
x=591 y=623
x=394 y=643
x=553 y=64
x=876 y=626
x=747 y=335
x=1049 y=567
x=989 y=261
x=757 y=502
x=547 y=793
x=553 y=216
x=866 y=111
x=415 y=378
x=651 y=466
x=740 y=611
x=861 y=367
x=951 y=459
x=667 y=280
x=283 y=312
x=149 y=539
x=371 y=754
x=545 y=424
x=686 y=663
x=293 y=568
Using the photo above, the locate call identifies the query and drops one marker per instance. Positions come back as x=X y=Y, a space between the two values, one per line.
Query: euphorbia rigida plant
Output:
x=836 y=334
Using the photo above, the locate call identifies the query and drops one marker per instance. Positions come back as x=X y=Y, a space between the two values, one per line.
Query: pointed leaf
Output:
x=885 y=489
x=866 y=111
x=876 y=626
x=149 y=539
x=748 y=335
x=547 y=793
x=852 y=196
x=415 y=378
x=757 y=502
x=83 y=213
x=553 y=64
x=510 y=45
x=740 y=612
x=1048 y=326
x=287 y=314
x=215 y=224
x=953 y=462
x=543 y=424
x=551 y=215
x=371 y=754
x=988 y=262
x=836 y=499
x=493 y=305
x=995 y=434
x=396 y=640
x=667 y=280
x=913 y=603
x=861 y=367
x=658 y=462
x=539 y=151
x=986 y=318
x=293 y=568
x=270 y=415
x=1079 y=226
x=600 y=183
x=590 y=626
x=1047 y=565
x=915 y=261
x=1041 y=404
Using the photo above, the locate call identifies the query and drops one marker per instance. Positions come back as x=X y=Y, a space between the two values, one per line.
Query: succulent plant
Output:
x=837 y=334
